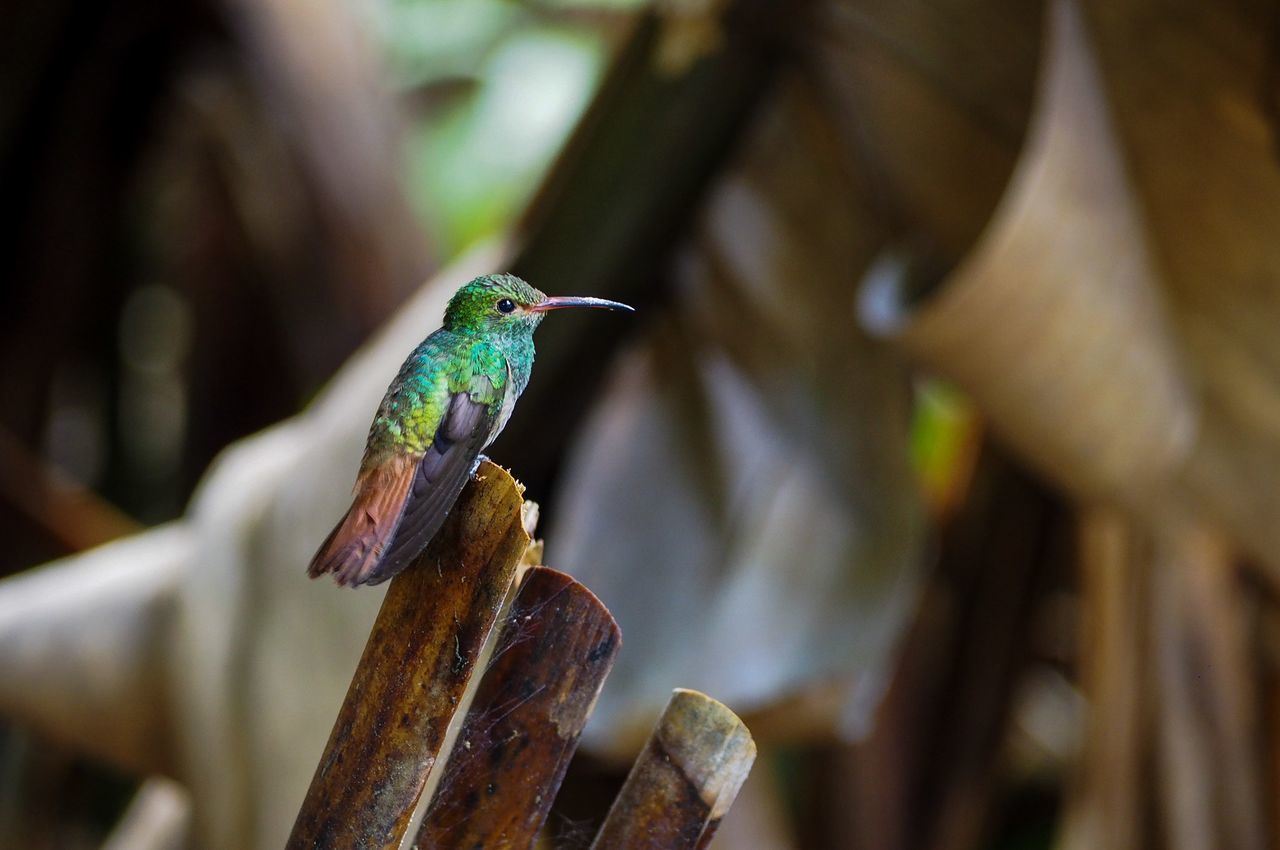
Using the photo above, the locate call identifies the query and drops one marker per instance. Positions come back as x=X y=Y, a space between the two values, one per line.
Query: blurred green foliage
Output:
x=942 y=427
x=493 y=90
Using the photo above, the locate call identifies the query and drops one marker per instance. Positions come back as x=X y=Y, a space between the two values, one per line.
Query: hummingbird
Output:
x=449 y=401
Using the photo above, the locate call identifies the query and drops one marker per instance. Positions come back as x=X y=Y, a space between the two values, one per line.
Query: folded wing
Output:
x=400 y=504
x=437 y=482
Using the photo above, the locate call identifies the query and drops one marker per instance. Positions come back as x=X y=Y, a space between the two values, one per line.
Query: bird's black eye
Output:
x=506 y=305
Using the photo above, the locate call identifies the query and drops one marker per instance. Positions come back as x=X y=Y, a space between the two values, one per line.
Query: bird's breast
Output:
x=510 y=392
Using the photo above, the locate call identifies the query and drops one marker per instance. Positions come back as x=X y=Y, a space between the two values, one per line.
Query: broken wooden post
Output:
x=552 y=653
x=684 y=780
x=416 y=665
x=543 y=668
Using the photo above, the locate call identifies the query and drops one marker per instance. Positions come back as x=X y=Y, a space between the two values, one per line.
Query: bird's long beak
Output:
x=577 y=301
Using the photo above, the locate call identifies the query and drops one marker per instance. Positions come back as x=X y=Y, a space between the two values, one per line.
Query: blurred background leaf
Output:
x=944 y=444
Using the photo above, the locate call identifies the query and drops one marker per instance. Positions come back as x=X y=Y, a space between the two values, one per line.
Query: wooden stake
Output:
x=415 y=667
x=684 y=781
x=555 y=647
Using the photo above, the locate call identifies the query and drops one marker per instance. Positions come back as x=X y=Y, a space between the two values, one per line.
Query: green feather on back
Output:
x=471 y=354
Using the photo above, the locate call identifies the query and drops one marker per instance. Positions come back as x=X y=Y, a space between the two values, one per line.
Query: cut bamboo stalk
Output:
x=684 y=781
x=1106 y=803
x=415 y=668
x=760 y=820
x=553 y=651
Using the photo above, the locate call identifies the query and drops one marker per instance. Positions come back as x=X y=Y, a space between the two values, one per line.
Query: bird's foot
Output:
x=476 y=464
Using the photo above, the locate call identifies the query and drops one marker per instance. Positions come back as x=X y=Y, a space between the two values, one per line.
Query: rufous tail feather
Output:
x=355 y=546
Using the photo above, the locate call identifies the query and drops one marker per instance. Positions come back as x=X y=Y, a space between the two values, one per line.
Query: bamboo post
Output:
x=553 y=651
x=415 y=668
x=684 y=781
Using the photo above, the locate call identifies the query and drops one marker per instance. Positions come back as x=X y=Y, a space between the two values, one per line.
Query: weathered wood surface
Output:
x=415 y=668
x=684 y=781
x=552 y=654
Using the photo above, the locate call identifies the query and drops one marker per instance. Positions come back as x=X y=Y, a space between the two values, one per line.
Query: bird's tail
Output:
x=355 y=546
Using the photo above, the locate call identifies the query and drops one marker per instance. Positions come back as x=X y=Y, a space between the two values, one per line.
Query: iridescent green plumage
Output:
x=450 y=399
x=472 y=353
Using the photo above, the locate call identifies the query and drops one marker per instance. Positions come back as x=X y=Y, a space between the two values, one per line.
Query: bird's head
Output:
x=505 y=304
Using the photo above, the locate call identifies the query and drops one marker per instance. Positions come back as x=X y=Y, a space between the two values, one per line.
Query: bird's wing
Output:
x=355 y=545
x=439 y=478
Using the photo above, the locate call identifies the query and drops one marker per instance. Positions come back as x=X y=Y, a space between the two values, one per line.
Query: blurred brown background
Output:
x=942 y=448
